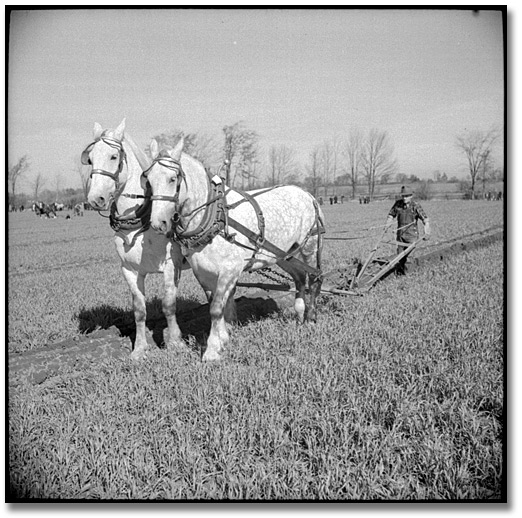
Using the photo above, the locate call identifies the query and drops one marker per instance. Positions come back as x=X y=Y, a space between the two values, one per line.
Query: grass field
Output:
x=397 y=395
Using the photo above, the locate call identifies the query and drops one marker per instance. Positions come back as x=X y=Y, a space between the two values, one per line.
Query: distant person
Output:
x=78 y=209
x=407 y=212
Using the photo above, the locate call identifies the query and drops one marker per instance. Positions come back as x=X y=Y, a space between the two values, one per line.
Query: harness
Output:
x=217 y=221
x=138 y=219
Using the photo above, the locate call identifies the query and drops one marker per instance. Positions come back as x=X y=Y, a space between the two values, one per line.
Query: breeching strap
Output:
x=284 y=258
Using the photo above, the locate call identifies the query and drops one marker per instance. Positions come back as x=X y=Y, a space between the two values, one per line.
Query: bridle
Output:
x=167 y=161
x=137 y=219
x=112 y=142
x=214 y=215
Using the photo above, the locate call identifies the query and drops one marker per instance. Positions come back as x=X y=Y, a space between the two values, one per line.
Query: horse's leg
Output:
x=136 y=282
x=219 y=337
x=299 y=277
x=315 y=289
x=313 y=254
x=172 y=335
x=299 y=304
x=230 y=307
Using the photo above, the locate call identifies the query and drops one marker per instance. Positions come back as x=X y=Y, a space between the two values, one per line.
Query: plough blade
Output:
x=338 y=291
x=266 y=286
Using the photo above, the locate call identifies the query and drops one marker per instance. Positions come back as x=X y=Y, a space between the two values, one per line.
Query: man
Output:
x=407 y=212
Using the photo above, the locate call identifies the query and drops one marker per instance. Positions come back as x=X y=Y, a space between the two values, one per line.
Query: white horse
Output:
x=116 y=184
x=224 y=232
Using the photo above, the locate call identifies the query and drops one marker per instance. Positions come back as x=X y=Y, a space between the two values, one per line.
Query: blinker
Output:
x=85 y=160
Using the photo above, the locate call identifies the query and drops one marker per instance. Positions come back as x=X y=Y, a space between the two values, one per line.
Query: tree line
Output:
x=360 y=160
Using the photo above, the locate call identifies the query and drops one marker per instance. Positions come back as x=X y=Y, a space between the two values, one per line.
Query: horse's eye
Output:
x=89 y=161
x=172 y=179
x=114 y=157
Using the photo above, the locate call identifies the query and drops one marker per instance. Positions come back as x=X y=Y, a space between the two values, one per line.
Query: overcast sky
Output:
x=296 y=77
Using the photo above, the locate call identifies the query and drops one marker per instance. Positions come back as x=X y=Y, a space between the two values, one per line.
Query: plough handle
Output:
x=370 y=256
x=392 y=263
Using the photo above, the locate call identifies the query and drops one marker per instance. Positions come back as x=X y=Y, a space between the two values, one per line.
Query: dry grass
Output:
x=394 y=396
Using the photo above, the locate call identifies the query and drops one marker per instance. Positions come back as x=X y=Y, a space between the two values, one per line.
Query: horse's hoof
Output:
x=312 y=317
x=176 y=345
x=138 y=354
x=211 y=356
x=174 y=342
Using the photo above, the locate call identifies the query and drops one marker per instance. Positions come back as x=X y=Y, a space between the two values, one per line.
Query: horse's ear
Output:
x=154 y=148
x=97 y=131
x=176 y=152
x=120 y=130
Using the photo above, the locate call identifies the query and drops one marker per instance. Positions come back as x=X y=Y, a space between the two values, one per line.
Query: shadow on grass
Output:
x=193 y=318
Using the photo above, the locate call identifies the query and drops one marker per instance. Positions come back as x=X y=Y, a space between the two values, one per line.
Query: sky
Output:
x=296 y=77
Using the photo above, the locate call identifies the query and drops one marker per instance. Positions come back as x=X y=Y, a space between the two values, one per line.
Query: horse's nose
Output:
x=97 y=202
x=159 y=225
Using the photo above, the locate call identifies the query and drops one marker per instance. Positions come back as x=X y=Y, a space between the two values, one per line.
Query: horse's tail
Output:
x=320 y=229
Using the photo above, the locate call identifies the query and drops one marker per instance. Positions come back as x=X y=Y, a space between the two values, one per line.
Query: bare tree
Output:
x=336 y=152
x=57 y=185
x=352 y=150
x=247 y=163
x=487 y=170
x=497 y=175
x=199 y=146
x=16 y=172
x=401 y=178
x=281 y=164
x=477 y=146
x=250 y=175
x=84 y=172
x=439 y=176
x=327 y=160
x=377 y=159
x=38 y=185
x=240 y=151
x=330 y=161
x=313 y=179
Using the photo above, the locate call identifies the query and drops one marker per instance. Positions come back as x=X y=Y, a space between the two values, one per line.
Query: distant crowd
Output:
x=491 y=196
x=49 y=210
x=333 y=200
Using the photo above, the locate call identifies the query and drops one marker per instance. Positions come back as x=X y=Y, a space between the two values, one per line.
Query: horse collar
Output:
x=212 y=223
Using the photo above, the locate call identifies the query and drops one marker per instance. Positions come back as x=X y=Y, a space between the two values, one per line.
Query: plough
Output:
x=363 y=276
x=355 y=280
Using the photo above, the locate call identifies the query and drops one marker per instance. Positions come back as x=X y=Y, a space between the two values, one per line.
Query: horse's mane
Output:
x=128 y=143
x=140 y=155
x=165 y=148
